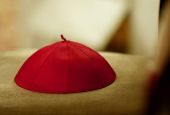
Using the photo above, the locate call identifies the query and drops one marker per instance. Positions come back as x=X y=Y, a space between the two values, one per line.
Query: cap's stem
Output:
x=62 y=37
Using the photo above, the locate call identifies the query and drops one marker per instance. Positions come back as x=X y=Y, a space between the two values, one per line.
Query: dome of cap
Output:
x=65 y=67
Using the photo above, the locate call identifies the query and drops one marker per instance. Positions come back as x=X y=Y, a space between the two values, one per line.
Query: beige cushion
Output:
x=126 y=96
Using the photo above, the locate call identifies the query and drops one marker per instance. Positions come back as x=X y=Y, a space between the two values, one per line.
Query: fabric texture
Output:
x=126 y=96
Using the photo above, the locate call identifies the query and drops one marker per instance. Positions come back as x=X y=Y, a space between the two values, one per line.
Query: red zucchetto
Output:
x=65 y=67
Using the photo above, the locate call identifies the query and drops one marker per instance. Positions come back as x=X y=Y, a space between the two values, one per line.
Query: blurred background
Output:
x=139 y=27
x=126 y=26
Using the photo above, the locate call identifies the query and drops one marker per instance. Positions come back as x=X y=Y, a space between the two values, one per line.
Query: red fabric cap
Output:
x=65 y=67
